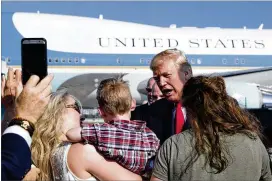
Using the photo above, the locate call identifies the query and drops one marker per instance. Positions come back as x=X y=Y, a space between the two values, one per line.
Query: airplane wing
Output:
x=259 y=76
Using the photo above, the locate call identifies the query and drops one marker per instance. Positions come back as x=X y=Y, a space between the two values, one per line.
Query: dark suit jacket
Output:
x=159 y=118
x=16 y=157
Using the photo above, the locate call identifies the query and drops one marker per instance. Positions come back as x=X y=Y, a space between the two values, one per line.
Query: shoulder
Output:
x=80 y=156
x=161 y=106
x=140 y=108
x=79 y=150
x=161 y=102
x=85 y=153
x=182 y=140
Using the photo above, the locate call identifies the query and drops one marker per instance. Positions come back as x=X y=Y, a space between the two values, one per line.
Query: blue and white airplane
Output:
x=83 y=50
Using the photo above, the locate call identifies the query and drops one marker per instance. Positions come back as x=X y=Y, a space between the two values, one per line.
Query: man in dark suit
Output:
x=153 y=95
x=167 y=117
x=29 y=104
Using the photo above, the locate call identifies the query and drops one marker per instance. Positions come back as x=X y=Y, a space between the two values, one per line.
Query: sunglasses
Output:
x=75 y=106
x=148 y=89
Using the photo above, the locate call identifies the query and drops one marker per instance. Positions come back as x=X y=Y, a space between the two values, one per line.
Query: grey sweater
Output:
x=248 y=160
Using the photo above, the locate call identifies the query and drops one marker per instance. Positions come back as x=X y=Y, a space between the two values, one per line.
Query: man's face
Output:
x=149 y=86
x=170 y=80
x=156 y=93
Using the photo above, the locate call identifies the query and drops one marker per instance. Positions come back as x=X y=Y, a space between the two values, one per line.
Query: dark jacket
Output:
x=159 y=118
x=16 y=157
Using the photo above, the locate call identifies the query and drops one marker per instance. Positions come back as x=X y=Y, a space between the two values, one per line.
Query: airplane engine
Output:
x=249 y=96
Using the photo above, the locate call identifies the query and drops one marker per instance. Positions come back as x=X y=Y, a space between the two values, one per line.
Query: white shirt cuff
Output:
x=19 y=131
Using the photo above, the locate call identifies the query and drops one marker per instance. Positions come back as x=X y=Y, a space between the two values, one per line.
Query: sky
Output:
x=229 y=14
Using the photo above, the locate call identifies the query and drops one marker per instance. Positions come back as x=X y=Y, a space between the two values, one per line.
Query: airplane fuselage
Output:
x=80 y=46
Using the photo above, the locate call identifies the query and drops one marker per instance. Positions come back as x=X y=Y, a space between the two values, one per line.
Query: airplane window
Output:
x=83 y=60
x=49 y=60
x=224 y=61
x=118 y=60
x=56 y=60
x=69 y=60
x=148 y=61
x=199 y=61
x=236 y=61
x=76 y=60
x=243 y=61
x=62 y=60
x=141 y=60
x=193 y=61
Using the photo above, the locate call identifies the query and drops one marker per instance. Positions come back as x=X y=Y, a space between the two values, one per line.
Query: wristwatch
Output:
x=25 y=124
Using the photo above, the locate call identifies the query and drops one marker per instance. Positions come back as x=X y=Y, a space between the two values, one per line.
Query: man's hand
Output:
x=32 y=175
x=8 y=96
x=32 y=100
x=74 y=135
x=8 y=88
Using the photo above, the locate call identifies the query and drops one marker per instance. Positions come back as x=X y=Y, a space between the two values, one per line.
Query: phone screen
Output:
x=34 y=58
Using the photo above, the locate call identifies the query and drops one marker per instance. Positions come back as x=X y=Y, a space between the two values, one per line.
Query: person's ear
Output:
x=188 y=74
x=101 y=112
x=133 y=105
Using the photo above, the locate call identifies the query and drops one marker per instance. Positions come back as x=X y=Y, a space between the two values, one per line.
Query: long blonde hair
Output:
x=46 y=137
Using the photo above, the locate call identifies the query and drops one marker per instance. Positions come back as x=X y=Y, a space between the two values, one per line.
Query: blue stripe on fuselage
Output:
x=62 y=59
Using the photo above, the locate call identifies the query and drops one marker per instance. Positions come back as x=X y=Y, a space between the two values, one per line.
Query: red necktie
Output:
x=179 y=118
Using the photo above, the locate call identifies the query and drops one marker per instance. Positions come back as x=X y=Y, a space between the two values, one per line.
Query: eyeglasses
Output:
x=75 y=106
x=148 y=89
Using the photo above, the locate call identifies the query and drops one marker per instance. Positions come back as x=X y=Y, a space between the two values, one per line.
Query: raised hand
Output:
x=32 y=100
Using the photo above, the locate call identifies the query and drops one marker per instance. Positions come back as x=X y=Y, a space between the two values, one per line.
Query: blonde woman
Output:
x=58 y=159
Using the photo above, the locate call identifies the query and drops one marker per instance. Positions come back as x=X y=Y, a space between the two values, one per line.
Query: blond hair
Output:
x=114 y=97
x=48 y=131
x=175 y=55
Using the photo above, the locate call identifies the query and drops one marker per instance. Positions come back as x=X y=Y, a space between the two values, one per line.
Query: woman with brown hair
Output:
x=223 y=144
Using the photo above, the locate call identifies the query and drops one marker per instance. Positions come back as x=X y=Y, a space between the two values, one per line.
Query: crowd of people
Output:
x=190 y=129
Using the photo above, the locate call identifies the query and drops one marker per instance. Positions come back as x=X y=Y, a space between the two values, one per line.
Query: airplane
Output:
x=82 y=51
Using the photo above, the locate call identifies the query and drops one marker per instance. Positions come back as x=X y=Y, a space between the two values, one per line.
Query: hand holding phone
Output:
x=34 y=58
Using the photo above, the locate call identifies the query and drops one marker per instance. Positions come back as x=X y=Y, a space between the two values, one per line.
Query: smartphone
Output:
x=34 y=58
